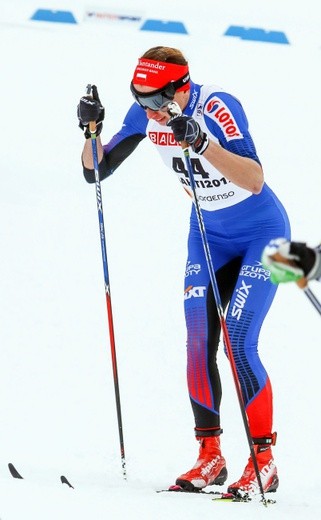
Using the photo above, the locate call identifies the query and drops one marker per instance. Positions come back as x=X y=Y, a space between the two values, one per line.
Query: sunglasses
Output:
x=156 y=99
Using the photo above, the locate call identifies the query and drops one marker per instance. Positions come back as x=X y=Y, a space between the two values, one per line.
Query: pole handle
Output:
x=92 y=127
x=92 y=124
x=173 y=110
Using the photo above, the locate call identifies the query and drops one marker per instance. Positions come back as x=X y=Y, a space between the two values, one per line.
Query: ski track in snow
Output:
x=58 y=414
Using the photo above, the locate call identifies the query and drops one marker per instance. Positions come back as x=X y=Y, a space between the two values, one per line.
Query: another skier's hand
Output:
x=291 y=261
x=187 y=129
x=90 y=109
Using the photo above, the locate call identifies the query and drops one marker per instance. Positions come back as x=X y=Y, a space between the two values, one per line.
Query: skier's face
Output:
x=155 y=101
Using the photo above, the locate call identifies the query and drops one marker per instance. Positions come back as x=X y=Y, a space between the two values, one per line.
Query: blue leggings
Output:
x=236 y=237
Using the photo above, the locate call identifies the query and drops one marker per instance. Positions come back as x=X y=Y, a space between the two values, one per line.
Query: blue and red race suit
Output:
x=238 y=225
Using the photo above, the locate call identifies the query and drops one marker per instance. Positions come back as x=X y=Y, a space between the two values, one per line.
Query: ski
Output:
x=218 y=495
x=15 y=473
x=178 y=489
x=230 y=497
x=64 y=480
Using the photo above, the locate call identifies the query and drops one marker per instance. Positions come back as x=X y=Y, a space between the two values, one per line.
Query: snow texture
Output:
x=57 y=406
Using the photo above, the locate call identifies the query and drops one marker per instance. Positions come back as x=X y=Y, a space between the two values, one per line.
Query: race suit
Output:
x=238 y=225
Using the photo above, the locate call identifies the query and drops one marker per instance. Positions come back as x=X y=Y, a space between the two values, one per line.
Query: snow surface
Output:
x=57 y=406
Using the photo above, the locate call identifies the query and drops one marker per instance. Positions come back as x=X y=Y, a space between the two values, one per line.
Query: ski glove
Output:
x=187 y=129
x=90 y=109
x=291 y=261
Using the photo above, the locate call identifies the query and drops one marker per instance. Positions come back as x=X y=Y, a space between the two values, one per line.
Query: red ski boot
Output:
x=209 y=469
x=248 y=482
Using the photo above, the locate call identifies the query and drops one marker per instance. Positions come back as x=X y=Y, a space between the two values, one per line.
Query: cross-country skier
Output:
x=241 y=214
x=292 y=261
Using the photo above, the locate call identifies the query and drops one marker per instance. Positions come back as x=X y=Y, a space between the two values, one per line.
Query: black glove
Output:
x=187 y=129
x=91 y=109
x=291 y=261
x=307 y=258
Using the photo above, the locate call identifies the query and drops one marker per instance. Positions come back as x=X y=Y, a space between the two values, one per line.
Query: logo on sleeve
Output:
x=224 y=118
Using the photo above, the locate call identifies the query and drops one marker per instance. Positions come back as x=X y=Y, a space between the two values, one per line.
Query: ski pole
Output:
x=174 y=110
x=92 y=129
x=313 y=299
x=303 y=284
